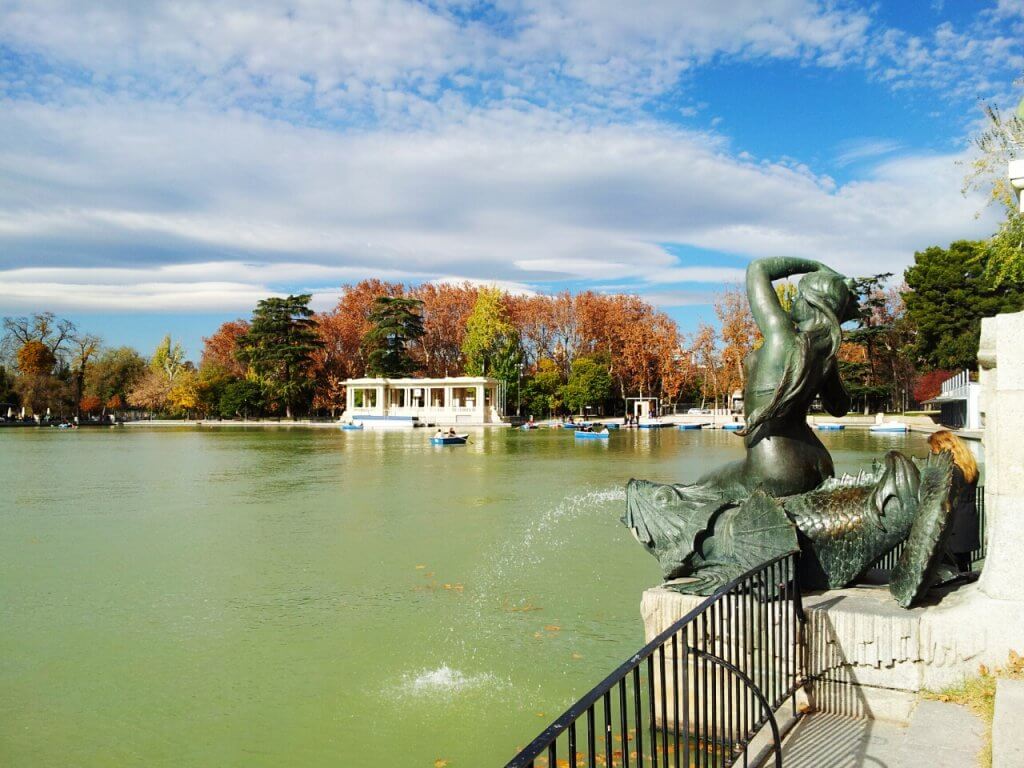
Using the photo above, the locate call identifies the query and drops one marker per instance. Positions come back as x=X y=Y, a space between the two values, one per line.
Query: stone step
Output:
x=939 y=735
x=1007 y=733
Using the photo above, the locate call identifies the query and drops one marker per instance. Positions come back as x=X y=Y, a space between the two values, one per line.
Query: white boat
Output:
x=653 y=424
x=889 y=426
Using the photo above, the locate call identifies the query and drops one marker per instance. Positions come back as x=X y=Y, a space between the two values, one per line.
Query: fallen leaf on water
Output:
x=577 y=656
x=420 y=567
x=538 y=635
x=561 y=763
x=428 y=575
x=552 y=628
x=524 y=608
x=439 y=763
x=983 y=670
x=539 y=714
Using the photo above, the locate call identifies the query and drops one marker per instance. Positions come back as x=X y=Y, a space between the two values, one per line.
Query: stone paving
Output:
x=939 y=736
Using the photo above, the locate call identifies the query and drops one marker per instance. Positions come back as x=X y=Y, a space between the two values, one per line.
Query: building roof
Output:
x=413 y=382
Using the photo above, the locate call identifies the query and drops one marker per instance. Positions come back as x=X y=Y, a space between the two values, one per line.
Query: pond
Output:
x=302 y=597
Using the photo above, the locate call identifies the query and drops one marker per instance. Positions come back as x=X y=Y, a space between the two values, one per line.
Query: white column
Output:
x=480 y=407
x=1001 y=360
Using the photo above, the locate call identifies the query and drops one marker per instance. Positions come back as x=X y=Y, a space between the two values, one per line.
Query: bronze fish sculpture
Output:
x=841 y=528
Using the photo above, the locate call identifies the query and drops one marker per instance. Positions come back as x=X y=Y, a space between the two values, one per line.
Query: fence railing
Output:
x=888 y=561
x=699 y=692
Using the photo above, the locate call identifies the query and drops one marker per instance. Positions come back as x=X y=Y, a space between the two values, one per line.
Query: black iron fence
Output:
x=699 y=692
x=888 y=561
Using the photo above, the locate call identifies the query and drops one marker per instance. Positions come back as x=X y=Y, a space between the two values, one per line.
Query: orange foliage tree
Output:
x=739 y=335
x=446 y=308
x=219 y=349
x=90 y=404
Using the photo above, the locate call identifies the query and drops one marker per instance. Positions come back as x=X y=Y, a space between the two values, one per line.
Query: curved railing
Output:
x=699 y=692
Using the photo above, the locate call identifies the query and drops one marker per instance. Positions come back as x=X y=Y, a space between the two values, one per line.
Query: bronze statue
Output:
x=795 y=364
x=782 y=495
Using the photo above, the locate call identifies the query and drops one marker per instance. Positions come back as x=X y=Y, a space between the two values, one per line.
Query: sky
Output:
x=164 y=165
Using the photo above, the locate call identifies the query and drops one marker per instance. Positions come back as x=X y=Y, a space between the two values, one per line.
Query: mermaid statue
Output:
x=783 y=495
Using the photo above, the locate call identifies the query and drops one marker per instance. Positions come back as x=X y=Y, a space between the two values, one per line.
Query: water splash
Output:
x=445 y=681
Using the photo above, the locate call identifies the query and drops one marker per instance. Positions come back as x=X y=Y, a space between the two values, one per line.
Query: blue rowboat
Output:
x=733 y=427
x=449 y=440
x=653 y=425
x=351 y=426
x=690 y=426
x=829 y=427
x=591 y=435
x=611 y=426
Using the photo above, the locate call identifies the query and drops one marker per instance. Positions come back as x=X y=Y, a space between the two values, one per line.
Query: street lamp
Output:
x=519 y=392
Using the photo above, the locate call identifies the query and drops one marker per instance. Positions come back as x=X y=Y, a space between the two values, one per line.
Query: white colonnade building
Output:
x=380 y=402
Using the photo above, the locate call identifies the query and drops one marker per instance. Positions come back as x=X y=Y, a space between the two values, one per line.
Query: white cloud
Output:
x=854 y=150
x=122 y=203
x=397 y=59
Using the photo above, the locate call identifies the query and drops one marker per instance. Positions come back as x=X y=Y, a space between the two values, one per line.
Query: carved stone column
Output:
x=1001 y=360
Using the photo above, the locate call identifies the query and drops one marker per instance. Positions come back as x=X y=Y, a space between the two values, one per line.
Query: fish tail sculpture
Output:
x=841 y=528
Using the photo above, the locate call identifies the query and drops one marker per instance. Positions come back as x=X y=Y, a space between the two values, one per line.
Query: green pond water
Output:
x=302 y=597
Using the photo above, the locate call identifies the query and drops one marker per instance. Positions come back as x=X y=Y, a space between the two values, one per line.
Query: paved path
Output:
x=939 y=736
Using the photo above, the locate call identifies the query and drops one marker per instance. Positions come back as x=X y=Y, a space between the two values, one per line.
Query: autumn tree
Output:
x=83 y=347
x=446 y=309
x=113 y=374
x=739 y=334
x=44 y=327
x=90 y=404
x=184 y=395
x=221 y=348
x=279 y=348
x=151 y=392
x=37 y=386
x=343 y=329
x=706 y=356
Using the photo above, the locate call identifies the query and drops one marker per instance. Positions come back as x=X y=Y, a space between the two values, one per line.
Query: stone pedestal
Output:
x=1001 y=359
x=866 y=656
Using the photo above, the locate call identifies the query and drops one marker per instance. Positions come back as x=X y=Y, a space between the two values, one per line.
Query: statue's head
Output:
x=825 y=291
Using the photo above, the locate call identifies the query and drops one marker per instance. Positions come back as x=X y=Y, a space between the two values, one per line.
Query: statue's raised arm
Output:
x=764 y=301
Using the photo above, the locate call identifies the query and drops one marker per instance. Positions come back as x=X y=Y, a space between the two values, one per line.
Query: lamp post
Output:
x=519 y=392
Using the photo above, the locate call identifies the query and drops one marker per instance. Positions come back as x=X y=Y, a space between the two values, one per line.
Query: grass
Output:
x=978 y=694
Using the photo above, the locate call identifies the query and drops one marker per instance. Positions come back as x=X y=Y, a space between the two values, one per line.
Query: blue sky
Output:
x=163 y=165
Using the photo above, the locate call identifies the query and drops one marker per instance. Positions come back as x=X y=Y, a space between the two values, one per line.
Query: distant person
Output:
x=439 y=433
x=963 y=536
x=451 y=431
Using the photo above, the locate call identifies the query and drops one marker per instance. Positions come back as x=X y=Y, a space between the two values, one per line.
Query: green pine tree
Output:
x=396 y=322
x=279 y=347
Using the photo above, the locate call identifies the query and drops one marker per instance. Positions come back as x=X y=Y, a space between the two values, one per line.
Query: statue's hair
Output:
x=828 y=294
x=944 y=440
